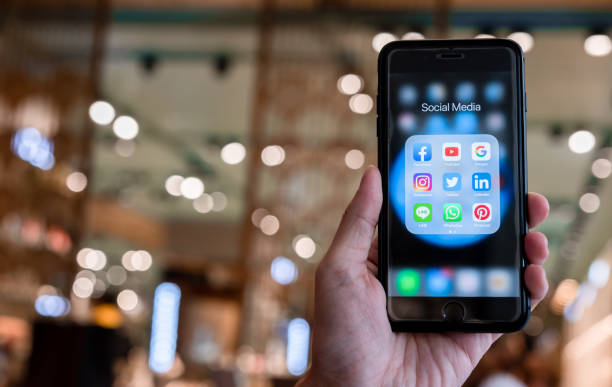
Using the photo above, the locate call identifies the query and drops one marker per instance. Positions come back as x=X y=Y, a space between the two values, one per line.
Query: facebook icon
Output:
x=421 y=152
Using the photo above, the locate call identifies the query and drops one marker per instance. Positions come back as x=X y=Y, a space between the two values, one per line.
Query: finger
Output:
x=354 y=235
x=535 y=279
x=373 y=254
x=536 y=247
x=538 y=208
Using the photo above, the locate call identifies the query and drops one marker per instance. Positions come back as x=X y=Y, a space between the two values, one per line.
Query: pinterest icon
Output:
x=481 y=212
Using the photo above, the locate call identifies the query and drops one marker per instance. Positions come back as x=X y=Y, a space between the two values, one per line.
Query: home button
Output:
x=453 y=312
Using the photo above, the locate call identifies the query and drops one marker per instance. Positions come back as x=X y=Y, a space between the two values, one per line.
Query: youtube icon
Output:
x=451 y=151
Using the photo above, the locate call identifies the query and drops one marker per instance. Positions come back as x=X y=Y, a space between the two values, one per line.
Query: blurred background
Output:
x=171 y=172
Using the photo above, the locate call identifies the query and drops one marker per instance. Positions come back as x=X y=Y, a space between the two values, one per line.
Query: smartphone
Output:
x=451 y=137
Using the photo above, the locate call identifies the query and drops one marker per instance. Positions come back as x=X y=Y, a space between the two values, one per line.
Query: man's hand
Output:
x=353 y=344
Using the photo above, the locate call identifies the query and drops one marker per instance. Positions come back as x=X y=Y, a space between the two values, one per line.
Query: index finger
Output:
x=537 y=207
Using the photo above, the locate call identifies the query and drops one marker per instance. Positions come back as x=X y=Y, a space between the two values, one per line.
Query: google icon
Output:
x=481 y=151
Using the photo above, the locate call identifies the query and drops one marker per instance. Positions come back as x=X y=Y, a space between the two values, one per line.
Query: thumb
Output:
x=354 y=236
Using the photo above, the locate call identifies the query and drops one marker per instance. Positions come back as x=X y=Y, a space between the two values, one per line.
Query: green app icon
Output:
x=408 y=282
x=422 y=212
x=451 y=212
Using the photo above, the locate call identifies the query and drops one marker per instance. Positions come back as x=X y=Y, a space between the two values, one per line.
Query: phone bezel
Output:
x=383 y=241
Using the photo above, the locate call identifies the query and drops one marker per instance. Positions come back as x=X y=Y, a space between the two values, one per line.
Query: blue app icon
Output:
x=481 y=181
x=451 y=181
x=421 y=151
x=438 y=282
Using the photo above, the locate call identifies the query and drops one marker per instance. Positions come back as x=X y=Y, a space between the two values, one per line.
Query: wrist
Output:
x=307 y=380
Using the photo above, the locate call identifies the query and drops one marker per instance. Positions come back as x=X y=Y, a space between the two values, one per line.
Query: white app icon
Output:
x=481 y=151
x=451 y=151
x=468 y=282
x=452 y=181
x=499 y=282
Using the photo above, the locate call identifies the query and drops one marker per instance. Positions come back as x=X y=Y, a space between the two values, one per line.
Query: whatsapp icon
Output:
x=452 y=212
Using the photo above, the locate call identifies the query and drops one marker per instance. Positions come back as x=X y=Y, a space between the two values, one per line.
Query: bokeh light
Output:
x=127 y=300
x=203 y=204
x=219 y=201
x=350 y=84
x=233 y=153
x=83 y=287
x=283 y=270
x=192 y=188
x=589 y=202
x=361 y=103
x=269 y=224
x=273 y=155
x=354 y=159
x=581 y=141
x=524 y=39
x=601 y=168
x=304 y=246
x=598 y=45
x=381 y=39
x=76 y=181
x=599 y=273
x=564 y=294
x=116 y=275
x=173 y=185
x=101 y=112
x=125 y=127
x=413 y=35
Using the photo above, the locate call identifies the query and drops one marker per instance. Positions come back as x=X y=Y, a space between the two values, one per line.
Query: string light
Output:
x=581 y=141
x=76 y=181
x=125 y=127
x=589 y=202
x=173 y=185
x=101 y=112
x=273 y=155
x=127 y=300
x=524 y=39
x=192 y=188
x=354 y=159
x=233 y=153
x=350 y=84
x=361 y=103
x=598 y=45
x=381 y=39
x=413 y=35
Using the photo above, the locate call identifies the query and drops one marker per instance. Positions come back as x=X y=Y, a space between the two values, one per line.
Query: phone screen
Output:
x=454 y=156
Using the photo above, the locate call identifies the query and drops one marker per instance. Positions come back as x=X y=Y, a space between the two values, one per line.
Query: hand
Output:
x=353 y=344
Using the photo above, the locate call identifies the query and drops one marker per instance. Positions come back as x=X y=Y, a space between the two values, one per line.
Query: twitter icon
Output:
x=451 y=181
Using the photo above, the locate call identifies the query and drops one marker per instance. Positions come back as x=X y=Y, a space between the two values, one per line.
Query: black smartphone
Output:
x=451 y=135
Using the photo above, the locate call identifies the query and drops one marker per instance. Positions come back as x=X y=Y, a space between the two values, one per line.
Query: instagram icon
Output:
x=422 y=181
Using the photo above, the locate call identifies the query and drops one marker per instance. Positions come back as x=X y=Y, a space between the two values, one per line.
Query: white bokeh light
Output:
x=484 y=36
x=141 y=260
x=413 y=35
x=350 y=84
x=173 y=185
x=601 y=168
x=273 y=155
x=101 y=112
x=127 y=300
x=589 y=202
x=192 y=188
x=269 y=224
x=598 y=45
x=125 y=127
x=581 y=141
x=524 y=39
x=116 y=275
x=233 y=153
x=304 y=246
x=203 y=204
x=76 y=181
x=219 y=201
x=381 y=39
x=361 y=103
x=83 y=287
x=354 y=159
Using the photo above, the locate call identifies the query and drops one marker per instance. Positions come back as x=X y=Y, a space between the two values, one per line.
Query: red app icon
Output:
x=451 y=151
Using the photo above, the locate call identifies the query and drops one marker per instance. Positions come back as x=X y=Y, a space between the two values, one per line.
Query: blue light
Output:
x=436 y=92
x=164 y=327
x=407 y=95
x=466 y=122
x=283 y=270
x=494 y=92
x=465 y=92
x=52 y=306
x=32 y=146
x=437 y=124
x=298 y=340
